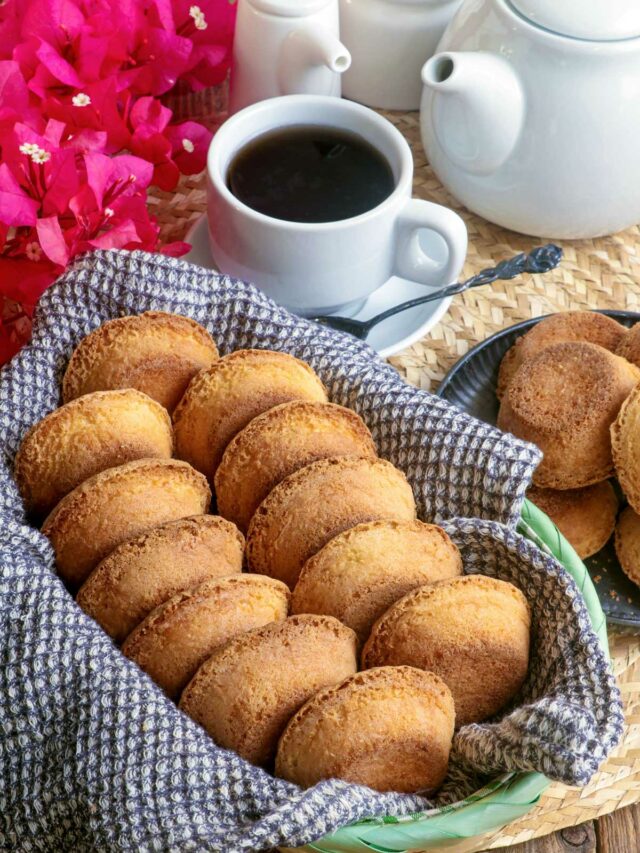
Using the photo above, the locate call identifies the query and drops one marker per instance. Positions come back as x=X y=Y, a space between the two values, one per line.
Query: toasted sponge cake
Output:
x=585 y=517
x=154 y=352
x=278 y=443
x=582 y=326
x=98 y=431
x=179 y=635
x=472 y=631
x=564 y=400
x=247 y=691
x=223 y=399
x=389 y=728
x=361 y=572
x=117 y=504
x=310 y=507
x=143 y=572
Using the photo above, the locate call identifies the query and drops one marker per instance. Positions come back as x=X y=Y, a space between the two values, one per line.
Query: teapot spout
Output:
x=308 y=56
x=476 y=108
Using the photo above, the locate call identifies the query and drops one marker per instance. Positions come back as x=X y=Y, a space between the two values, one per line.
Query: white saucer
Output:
x=387 y=338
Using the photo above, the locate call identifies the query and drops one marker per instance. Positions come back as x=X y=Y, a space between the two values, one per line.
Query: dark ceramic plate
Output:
x=471 y=384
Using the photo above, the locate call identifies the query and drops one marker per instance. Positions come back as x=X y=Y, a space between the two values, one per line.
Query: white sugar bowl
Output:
x=389 y=42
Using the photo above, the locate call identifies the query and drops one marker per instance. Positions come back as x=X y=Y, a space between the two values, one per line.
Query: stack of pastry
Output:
x=339 y=574
x=570 y=385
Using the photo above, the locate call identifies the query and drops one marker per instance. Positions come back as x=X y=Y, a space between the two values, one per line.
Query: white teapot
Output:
x=286 y=47
x=531 y=114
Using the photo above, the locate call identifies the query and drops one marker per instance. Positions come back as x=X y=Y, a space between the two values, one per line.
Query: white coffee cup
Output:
x=315 y=268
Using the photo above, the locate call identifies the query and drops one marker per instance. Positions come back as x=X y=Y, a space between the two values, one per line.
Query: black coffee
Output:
x=310 y=174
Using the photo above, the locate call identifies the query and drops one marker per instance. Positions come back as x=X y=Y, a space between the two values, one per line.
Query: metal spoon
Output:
x=540 y=260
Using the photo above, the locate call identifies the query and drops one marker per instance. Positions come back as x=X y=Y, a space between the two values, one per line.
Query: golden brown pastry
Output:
x=144 y=571
x=315 y=504
x=582 y=326
x=564 y=400
x=625 y=447
x=248 y=690
x=389 y=728
x=156 y=353
x=117 y=504
x=627 y=542
x=629 y=345
x=179 y=635
x=472 y=631
x=585 y=517
x=279 y=442
x=88 y=435
x=362 y=571
x=222 y=400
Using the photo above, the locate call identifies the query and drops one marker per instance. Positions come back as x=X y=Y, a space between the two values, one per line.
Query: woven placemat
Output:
x=599 y=273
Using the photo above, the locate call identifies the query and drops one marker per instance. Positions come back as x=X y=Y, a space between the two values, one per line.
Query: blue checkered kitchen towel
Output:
x=94 y=757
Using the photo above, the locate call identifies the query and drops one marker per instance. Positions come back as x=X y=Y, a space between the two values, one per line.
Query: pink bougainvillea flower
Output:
x=14 y=96
x=210 y=25
x=83 y=133
x=22 y=282
x=189 y=146
x=16 y=207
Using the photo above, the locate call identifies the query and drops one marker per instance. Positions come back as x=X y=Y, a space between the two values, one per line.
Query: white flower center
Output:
x=81 y=100
x=109 y=212
x=188 y=146
x=29 y=148
x=198 y=17
x=40 y=155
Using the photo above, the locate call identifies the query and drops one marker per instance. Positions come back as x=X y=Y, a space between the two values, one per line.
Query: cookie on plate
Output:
x=389 y=728
x=472 y=631
x=143 y=572
x=117 y=504
x=223 y=399
x=582 y=326
x=629 y=346
x=86 y=436
x=585 y=517
x=627 y=542
x=247 y=691
x=279 y=442
x=179 y=635
x=314 y=504
x=154 y=352
x=363 y=571
x=564 y=400
x=625 y=446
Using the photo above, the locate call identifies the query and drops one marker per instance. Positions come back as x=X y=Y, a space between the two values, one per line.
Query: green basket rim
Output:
x=508 y=796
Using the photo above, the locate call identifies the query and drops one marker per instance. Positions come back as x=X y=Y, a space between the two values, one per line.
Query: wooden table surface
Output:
x=618 y=832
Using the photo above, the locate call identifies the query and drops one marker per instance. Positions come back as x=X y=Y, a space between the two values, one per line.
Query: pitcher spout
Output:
x=477 y=108
x=307 y=53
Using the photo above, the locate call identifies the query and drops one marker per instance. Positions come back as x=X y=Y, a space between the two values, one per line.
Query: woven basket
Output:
x=506 y=798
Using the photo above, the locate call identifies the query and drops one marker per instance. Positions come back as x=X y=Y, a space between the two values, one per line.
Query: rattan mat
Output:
x=600 y=273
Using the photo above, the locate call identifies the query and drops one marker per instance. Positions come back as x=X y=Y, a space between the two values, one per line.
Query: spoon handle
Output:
x=539 y=260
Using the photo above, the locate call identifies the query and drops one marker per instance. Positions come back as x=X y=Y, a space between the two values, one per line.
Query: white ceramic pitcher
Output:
x=389 y=42
x=531 y=114
x=286 y=47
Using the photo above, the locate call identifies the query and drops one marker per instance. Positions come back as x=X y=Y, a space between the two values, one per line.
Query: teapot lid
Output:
x=593 y=20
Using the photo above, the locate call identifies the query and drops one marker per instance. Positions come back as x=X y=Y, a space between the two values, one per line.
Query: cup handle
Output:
x=413 y=260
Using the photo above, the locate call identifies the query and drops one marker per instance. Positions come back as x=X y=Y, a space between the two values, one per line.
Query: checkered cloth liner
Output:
x=94 y=757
